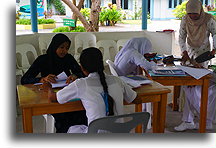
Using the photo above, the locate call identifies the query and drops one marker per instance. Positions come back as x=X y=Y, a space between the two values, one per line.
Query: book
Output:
x=204 y=57
x=137 y=77
x=169 y=72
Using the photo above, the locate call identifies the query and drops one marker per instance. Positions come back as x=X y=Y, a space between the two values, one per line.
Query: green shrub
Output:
x=86 y=13
x=23 y=21
x=103 y=17
x=180 y=10
x=58 y=6
x=111 y=15
x=40 y=21
x=79 y=29
x=67 y=29
x=46 y=21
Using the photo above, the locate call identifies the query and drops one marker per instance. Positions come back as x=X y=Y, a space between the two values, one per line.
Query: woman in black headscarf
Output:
x=49 y=65
x=55 y=61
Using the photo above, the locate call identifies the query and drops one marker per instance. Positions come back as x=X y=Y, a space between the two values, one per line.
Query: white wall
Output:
x=161 y=10
x=163 y=43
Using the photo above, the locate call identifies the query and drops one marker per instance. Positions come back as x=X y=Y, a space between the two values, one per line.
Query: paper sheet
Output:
x=197 y=73
x=61 y=81
x=62 y=76
x=135 y=83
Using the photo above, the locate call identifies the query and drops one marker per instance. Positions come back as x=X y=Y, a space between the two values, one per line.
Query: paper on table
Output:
x=135 y=83
x=197 y=73
x=61 y=81
x=59 y=84
x=62 y=76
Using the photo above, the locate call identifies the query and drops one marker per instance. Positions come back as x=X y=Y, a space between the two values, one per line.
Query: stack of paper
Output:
x=135 y=80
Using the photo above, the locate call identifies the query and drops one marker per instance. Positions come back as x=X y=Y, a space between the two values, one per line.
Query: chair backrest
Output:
x=112 y=67
x=25 y=56
x=120 y=123
x=108 y=49
x=120 y=43
x=82 y=41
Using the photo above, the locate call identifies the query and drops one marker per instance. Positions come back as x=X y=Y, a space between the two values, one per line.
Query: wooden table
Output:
x=33 y=101
x=178 y=81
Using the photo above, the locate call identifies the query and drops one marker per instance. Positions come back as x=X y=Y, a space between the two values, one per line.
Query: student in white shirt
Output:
x=131 y=56
x=101 y=95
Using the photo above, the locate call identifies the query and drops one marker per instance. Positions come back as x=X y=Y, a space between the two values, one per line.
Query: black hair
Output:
x=91 y=60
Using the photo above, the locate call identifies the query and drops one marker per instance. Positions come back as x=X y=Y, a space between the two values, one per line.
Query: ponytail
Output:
x=107 y=98
x=91 y=59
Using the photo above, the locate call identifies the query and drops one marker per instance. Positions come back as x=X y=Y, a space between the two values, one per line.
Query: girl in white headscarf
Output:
x=132 y=55
x=196 y=27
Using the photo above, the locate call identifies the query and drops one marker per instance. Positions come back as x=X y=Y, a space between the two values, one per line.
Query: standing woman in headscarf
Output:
x=131 y=56
x=195 y=28
x=55 y=61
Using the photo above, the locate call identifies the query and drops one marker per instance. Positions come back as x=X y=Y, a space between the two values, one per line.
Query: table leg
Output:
x=138 y=108
x=162 y=113
x=27 y=120
x=203 y=107
x=176 y=95
x=155 y=121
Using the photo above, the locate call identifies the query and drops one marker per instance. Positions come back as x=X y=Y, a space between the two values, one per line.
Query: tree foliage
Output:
x=180 y=10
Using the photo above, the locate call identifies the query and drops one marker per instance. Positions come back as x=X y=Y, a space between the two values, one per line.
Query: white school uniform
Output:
x=89 y=90
x=193 y=99
x=132 y=55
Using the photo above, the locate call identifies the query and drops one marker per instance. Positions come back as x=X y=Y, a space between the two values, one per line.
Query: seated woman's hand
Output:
x=71 y=78
x=46 y=86
x=50 y=78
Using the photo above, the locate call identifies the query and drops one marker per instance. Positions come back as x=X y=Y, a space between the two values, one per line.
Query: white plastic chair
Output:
x=120 y=123
x=82 y=41
x=120 y=43
x=146 y=106
x=44 y=42
x=111 y=67
x=108 y=49
x=25 y=56
x=50 y=123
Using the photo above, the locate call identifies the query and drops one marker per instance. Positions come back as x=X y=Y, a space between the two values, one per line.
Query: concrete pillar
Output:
x=34 y=24
x=144 y=14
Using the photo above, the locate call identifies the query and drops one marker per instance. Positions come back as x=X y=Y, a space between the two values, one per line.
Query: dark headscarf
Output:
x=57 y=40
x=55 y=62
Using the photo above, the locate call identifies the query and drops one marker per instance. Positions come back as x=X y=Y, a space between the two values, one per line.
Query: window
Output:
x=174 y=3
x=124 y=3
x=205 y=2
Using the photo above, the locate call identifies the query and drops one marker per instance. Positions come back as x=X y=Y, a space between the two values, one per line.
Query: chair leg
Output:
x=50 y=123
x=149 y=109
